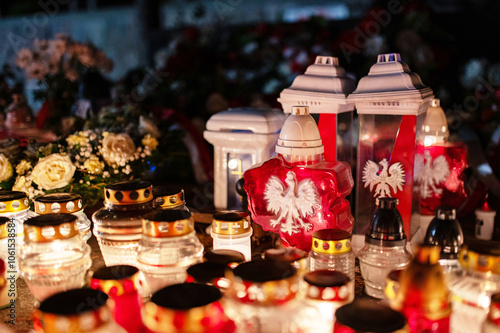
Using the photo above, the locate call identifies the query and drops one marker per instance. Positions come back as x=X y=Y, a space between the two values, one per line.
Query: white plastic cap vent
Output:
x=300 y=134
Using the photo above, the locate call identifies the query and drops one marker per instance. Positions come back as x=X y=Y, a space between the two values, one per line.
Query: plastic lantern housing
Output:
x=391 y=101
x=439 y=165
x=241 y=138
x=296 y=192
x=324 y=88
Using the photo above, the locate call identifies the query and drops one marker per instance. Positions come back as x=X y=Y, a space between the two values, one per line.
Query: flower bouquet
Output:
x=83 y=162
x=59 y=65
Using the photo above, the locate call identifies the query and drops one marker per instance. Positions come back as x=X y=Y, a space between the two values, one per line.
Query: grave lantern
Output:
x=241 y=138
x=324 y=88
x=391 y=102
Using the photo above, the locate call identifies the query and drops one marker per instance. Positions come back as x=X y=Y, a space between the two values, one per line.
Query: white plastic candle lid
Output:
x=300 y=134
x=261 y=121
x=324 y=88
x=435 y=122
x=391 y=88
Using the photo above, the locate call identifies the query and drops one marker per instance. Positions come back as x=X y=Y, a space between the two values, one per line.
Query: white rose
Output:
x=5 y=168
x=53 y=171
x=117 y=149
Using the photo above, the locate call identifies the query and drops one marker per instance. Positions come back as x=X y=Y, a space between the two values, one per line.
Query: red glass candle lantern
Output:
x=439 y=165
x=391 y=100
x=296 y=192
x=324 y=88
x=186 y=308
x=120 y=283
x=423 y=295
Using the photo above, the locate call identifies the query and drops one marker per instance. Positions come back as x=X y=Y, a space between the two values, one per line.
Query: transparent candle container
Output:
x=232 y=230
x=391 y=102
x=385 y=248
x=291 y=255
x=492 y=322
x=367 y=315
x=55 y=258
x=331 y=250
x=471 y=292
x=77 y=310
x=324 y=292
x=445 y=231
x=186 y=307
x=118 y=225
x=262 y=297
x=9 y=270
x=169 y=198
x=70 y=203
x=16 y=206
x=121 y=284
x=168 y=247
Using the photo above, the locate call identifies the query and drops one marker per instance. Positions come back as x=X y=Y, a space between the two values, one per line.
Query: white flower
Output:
x=53 y=171
x=22 y=167
x=94 y=165
x=5 y=168
x=117 y=149
x=22 y=184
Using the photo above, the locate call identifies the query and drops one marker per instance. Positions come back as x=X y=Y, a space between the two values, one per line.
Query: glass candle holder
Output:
x=262 y=297
x=324 y=292
x=232 y=230
x=168 y=247
x=54 y=257
x=70 y=203
x=210 y=273
x=229 y=258
x=366 y=315
x=121 y=284
x=445 y=231
x=385 y=248
x=16 y=206
x=118 y=225
x=291 y=255
x=332 y=250
x=471 y=293
x=423 y=294
x=169 y=198
x=492 y=322
x=77 y=310
x=186 y=307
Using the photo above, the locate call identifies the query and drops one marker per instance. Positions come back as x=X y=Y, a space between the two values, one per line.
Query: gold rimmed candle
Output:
x=54 y=257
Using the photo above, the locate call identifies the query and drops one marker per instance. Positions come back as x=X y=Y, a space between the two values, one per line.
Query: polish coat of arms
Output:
x=430 y=173
x=383 y=179
x=293 y=204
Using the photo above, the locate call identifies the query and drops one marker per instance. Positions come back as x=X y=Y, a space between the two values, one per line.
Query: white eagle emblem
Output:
x=385 y=179
x=430 y=173
x=292 y=205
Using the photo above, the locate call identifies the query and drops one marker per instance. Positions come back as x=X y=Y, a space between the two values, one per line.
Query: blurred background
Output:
x=199 y=57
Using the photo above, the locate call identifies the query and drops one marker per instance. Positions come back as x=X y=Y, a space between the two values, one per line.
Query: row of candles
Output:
x=253 y=296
